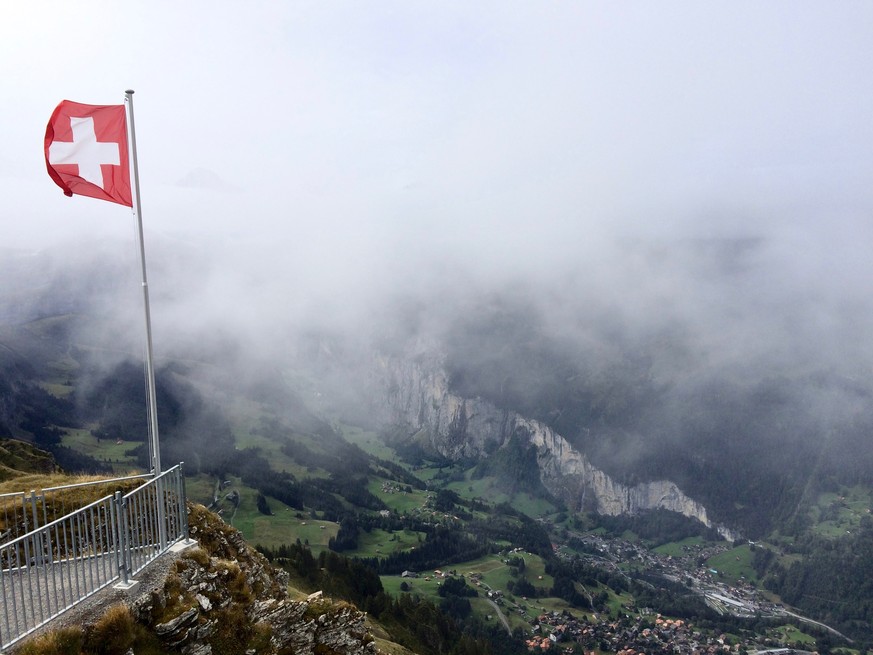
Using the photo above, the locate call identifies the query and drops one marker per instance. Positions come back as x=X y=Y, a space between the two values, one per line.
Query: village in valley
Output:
x=636 y=630
x=624 y=628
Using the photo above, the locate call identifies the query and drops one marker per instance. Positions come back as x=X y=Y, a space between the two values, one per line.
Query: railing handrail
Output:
x=154 y=480
x=96 y=482
x=75 y=485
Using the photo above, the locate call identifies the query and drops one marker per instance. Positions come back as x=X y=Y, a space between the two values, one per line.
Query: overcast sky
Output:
x=356 y=143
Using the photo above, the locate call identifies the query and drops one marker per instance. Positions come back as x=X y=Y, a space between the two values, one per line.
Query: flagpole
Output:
x=154 y=443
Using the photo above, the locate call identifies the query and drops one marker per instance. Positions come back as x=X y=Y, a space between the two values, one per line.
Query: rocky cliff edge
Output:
x=218 y=597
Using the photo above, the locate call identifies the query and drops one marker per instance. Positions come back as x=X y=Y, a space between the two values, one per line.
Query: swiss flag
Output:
x=86 y=151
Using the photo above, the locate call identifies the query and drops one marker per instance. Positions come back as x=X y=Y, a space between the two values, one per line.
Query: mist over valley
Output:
x=690 y=361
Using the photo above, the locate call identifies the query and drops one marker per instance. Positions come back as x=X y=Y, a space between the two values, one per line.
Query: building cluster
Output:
x=739 y=598
x=561 y=633
x=391 y=487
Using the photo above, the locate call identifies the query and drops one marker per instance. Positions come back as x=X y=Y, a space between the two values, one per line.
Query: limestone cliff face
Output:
x=417 y=395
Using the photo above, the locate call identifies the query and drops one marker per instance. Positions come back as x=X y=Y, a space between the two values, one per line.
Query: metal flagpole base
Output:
x=124 y=586
x=182 y=545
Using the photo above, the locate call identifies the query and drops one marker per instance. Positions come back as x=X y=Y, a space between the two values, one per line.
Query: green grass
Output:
x=103 y=450
x=534 y=572
x=734 y=563
x=483 y=609
x=379 y=543
x=57 y=389
x=367 y=441
x=559 y=605
x=531 y=505
x=425 y=586
x=488 y=489
x=674 y=549
x=510 y=611
x=246 y=418
x=835 y=514
x=272 y=450
x=59 y=372
x=199 y=488
x=275 y=530
x=790 y=634
x=285 y=526
x=391 y=493
x=617 y=601
x=485 y=488
x=494 y=575
x=427 y=473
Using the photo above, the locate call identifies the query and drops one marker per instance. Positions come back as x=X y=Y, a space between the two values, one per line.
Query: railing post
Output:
x=183 y=502
x=121 y=540
x=38 y=556
x=160 y=497
x=7 y=628
x=34 y=514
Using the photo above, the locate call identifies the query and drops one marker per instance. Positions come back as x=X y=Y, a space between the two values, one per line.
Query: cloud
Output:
x=671 y=167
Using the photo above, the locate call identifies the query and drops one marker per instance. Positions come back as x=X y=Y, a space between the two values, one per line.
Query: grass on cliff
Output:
x=18 y=458
x=114 y=633
x=38 y=481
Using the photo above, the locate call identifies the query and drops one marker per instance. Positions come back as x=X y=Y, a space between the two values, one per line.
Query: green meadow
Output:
x=487 y=488
x=734 y=564
x=493 y=573
x=393 y=494
x=103 y=450
x=836 y=514
x=381 y=543
x=676 y=548
x=57 y=389
x=285 y=526
x=369 y=442
x=791 y=634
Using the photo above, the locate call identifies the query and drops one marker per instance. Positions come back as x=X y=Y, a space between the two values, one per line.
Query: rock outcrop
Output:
x=224 y=597
x=416 y=395
x=217 y=597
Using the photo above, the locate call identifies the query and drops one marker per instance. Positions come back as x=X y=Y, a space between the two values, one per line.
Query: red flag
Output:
x=86 y=151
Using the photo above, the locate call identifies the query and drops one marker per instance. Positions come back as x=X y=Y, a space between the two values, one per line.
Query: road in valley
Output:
x=500 y=616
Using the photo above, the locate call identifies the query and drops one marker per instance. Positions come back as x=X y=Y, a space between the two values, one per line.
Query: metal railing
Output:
x=51 y=568
x=24 y=511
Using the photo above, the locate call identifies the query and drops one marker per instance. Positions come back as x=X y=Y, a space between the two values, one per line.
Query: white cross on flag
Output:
x=86 y=151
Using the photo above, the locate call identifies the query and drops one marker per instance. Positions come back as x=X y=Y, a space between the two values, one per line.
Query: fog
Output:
x=694 y=176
